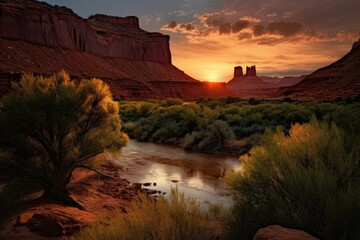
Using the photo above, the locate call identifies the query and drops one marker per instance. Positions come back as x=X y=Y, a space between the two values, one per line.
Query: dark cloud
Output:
x=285 y=28
x=327 y=16
x=258 y=30
x=187 y=26
x=172 y=25
x=224 y=23
x=225 y=28
x=181 y=27
x=240 y=25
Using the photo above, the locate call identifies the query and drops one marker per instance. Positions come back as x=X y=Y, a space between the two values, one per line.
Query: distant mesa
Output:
x=250 y=71
x=250 y=85
x=43 y=39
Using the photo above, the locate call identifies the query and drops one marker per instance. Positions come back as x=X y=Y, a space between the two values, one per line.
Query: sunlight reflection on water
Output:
x=198 y=174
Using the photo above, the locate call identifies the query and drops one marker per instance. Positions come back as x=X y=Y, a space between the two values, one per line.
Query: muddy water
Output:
x=197 y=175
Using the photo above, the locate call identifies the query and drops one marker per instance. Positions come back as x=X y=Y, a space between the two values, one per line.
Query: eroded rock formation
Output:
x=251 y=71
x=249 y=85
x=39 y=38
x=340 y=79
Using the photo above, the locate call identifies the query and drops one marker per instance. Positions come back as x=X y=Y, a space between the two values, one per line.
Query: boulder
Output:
x=46 y=226
x=23 y=218
x=277 y=232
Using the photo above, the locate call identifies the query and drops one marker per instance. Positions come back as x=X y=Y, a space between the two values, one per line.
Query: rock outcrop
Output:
x=249 y=85
x=277 y=232
x=251 y=71
x=340 y=79
x=39 y=38
x=58 y=27
x=284 y=81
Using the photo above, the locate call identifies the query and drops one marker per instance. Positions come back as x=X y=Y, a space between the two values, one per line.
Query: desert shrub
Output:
x=189 y=123
x=307 y=179
x=254 y=101
x=49 y=126
x=215 y=136
x=171 y=102
x=176 y=218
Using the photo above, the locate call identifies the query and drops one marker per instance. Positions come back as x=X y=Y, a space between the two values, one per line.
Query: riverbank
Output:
x=98 y=195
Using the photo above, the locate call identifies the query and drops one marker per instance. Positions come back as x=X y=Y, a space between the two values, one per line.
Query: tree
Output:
x=50 y=126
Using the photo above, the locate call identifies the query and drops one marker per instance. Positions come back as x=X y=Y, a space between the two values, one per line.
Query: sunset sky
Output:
x=210 y=37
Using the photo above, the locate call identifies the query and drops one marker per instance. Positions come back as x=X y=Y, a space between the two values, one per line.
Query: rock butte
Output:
x=340 y=79
x=42 y=39
x=250 y=85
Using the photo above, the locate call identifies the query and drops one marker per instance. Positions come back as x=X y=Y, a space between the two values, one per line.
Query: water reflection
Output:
x=198 y=174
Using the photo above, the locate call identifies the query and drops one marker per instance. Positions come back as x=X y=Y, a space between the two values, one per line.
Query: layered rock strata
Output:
x=340 y=79
x=42 y=39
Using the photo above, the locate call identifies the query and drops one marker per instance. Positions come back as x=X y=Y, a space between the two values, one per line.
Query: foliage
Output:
x=307 y=179
x=50 y=125
x=162 y=219
x=190 y=123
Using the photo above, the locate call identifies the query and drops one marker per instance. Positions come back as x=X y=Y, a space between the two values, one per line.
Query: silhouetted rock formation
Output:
x=43 y=39
x=238 y=72
x=340 y=79
x=249 y=85
x=251 y=71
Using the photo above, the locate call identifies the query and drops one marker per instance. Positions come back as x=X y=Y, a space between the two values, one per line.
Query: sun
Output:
x=212 y=76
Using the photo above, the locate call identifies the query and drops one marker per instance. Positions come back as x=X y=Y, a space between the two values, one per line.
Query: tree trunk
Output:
x=58 y=190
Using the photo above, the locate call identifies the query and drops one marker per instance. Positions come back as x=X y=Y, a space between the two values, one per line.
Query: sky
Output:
x=208 y=38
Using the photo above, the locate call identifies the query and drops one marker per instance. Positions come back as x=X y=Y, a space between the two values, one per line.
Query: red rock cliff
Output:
x=339 y=79
x=39 y=38
x=58 y=27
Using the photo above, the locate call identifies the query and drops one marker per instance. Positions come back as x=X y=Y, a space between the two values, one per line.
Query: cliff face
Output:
x=39 y=38
x=340 y=79
x=59 y=27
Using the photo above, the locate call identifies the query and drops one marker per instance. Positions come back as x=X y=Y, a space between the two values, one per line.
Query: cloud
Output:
x=270 y=22
x=285 y=28
x=187 y=26
x=171 y=25
x=348 y=36
x=259 y=30
x=176 y=27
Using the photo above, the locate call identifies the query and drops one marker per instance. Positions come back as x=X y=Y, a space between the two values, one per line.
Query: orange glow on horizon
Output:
x=213 y=58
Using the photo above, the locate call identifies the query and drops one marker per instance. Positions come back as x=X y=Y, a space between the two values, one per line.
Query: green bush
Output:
x=177 y=218
x=171 y=121
x=308 y=179
x=50 y=126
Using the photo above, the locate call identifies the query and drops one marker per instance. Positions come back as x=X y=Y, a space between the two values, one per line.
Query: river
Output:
x=197 y=175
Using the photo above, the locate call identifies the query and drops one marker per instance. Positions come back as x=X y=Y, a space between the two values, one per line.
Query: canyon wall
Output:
x=59 y=27
x=338 y=80
x=42 y=39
